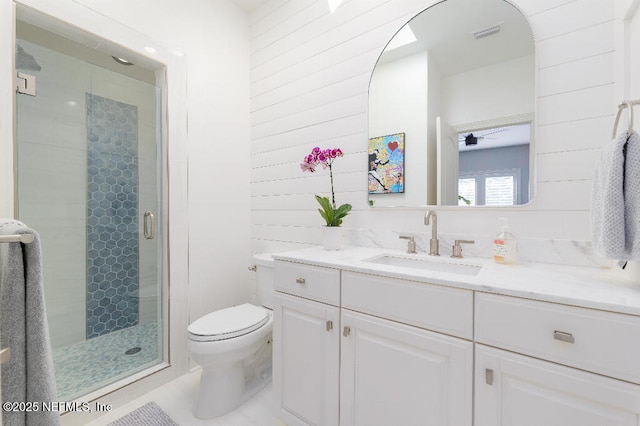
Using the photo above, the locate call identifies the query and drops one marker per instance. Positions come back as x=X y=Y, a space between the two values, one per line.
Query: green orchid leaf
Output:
x=332 y=217
x=324 y=215
x=343 y=210
x=326 y=212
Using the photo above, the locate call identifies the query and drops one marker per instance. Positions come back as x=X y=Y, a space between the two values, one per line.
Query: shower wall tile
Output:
x=52 y=152
x=112 y=216
x=52 y=167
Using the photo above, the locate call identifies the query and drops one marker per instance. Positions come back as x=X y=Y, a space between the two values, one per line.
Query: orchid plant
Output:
x=330 y=213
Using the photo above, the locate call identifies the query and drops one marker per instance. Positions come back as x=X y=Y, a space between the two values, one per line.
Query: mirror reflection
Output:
x=455 y=88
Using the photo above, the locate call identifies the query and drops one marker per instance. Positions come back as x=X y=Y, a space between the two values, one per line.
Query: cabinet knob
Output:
x=346 y=330
x=329 y=325
x=563 y=336
x=300 y=280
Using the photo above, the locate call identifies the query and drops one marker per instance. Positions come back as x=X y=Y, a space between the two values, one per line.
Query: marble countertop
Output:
x=596 y=288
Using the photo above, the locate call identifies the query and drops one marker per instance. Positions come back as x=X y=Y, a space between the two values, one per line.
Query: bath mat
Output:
x=147 y=415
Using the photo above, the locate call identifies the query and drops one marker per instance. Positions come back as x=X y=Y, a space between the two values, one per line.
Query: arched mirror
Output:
x=452 y=109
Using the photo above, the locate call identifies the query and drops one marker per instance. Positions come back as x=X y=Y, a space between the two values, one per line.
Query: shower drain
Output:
x=133 y=351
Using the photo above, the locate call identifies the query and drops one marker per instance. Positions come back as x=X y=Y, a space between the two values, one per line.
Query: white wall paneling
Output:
x=348 y=125
x=589 y=133
x=591 y=102
x=309 y=84
x=568 y=17
x=567 y=165
x=567 y=77
x=571 y=46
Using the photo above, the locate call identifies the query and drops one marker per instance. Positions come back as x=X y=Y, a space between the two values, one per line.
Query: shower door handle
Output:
x=149 y=225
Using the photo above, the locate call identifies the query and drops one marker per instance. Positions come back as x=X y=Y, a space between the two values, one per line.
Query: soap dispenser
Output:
x=505 y=248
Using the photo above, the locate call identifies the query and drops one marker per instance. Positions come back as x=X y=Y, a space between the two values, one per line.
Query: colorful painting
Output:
x=386 y=164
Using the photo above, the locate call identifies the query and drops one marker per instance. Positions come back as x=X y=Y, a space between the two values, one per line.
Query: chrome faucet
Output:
x=430 y=217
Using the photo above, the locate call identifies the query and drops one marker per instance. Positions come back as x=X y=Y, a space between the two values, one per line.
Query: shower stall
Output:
x=89 y=172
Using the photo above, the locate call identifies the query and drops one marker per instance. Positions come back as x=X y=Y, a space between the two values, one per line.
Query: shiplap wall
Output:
x=310 y=71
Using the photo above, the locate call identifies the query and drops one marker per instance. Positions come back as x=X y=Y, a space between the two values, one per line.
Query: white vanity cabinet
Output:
x=394 y=369
x=306 y=351
x=552 y=364
x=395 y=374
x=517 y=390
x=377 y=357
x=306 y=361
x=370 y=345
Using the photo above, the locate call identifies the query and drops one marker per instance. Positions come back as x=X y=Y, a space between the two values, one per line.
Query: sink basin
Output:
x=435 y=265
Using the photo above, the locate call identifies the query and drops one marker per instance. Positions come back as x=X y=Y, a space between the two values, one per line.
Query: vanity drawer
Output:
x=438 y=308
x=311 y=282
x=602 y=342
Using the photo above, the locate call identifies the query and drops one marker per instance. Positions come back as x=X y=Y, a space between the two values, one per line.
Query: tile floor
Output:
x=88 y=365
x=176 y=398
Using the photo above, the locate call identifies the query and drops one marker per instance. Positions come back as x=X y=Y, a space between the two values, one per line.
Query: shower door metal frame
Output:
x=172 y=77
x=162 y=225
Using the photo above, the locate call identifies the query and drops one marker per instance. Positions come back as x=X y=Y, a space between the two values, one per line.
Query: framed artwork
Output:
x=386 y=164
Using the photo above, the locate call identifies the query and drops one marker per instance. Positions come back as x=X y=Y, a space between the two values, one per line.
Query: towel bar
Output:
x=18 y=238
x=622 y=106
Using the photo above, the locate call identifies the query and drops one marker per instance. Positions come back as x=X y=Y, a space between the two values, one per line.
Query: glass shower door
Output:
x=89 y=181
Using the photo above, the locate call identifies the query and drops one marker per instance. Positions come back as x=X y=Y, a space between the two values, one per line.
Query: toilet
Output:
x=233 y=348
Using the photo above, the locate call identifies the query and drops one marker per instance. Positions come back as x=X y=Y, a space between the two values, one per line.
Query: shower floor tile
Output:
x=89 y=365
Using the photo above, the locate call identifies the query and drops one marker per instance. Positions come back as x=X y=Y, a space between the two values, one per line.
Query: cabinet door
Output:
x=306 y=356
x=394 y=374
x=515 y=390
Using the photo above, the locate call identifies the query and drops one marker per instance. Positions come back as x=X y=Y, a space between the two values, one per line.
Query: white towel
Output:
x=29 y=375
x=615 y=204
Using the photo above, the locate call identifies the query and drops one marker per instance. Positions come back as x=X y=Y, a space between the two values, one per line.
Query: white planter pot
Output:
x=331 y=237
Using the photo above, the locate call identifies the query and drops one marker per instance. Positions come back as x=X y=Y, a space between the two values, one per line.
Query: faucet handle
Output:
x=411 y=244
x=457 y=248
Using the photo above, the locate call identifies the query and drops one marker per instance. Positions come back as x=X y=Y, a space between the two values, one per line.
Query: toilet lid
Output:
x=228 y=323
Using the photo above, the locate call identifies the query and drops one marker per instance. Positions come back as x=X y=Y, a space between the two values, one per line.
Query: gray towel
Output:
x=615 y=204
x=29 y=375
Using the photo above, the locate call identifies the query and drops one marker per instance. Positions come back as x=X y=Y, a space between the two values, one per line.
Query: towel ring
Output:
x=622 y=106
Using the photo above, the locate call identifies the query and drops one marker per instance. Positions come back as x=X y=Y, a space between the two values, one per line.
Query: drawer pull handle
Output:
x=329 y=325
x=300 y=280
x=488 y=376
x=346 y=331
x=564 y=337
x=5 y=355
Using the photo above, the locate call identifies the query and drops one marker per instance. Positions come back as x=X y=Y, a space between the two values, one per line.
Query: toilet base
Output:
x=219 y=391
x=226 y=388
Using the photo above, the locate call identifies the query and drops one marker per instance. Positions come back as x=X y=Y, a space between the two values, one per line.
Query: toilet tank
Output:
x=264 y=278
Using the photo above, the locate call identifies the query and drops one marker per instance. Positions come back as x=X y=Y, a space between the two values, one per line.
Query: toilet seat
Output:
x=228 y=323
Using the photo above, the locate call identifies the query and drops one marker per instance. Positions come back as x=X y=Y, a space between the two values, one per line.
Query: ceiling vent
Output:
x=485 y=32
